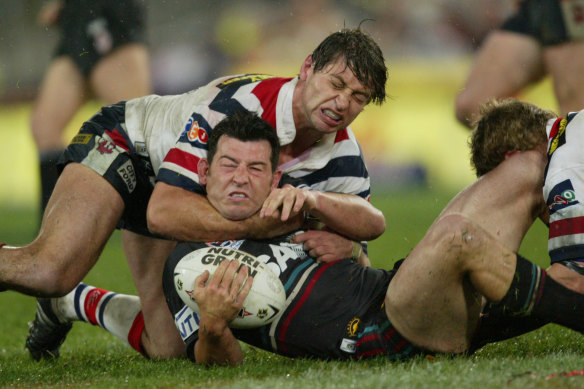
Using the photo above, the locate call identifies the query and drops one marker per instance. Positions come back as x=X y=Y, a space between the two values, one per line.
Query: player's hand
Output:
x=288 y=201
x=325 y=246
x=222 y=298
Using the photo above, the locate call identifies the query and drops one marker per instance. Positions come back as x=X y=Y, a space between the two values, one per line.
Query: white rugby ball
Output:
x=265 y=300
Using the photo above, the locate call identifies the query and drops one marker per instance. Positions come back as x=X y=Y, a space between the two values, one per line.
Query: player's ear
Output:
x=509 y=154
x=277 y=175
x=306 y=68
x=203 y=170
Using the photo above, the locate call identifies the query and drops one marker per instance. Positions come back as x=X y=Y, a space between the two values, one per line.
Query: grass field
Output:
x=413 y=126
x=92 y=358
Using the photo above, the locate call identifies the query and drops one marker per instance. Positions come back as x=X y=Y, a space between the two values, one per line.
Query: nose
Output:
x=342 y=100
x=240 y=176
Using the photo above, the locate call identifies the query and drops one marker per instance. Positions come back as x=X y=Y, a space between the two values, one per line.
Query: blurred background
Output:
x=412 y=141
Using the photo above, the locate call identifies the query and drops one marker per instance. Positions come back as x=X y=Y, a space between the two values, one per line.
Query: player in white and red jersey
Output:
x=510 y=126
x=192 y=116
x=502 y=129
x=563 y=190
x=112 y=164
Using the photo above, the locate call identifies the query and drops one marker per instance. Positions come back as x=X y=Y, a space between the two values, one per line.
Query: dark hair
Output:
x=245 y=126
x=362 y=55
x=506 y=125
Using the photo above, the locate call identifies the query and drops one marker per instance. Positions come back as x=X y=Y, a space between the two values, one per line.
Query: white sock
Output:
x=119 y=314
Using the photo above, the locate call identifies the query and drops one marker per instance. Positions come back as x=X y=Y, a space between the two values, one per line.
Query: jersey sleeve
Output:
x=344 y=170
x=185 y=319
x=180 y=165
x=212 y=104
x=564 y=187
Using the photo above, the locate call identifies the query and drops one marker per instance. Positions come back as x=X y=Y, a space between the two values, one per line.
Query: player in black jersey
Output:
x=101 y=53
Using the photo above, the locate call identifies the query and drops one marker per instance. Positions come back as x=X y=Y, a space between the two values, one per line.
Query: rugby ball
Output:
x=265 y=300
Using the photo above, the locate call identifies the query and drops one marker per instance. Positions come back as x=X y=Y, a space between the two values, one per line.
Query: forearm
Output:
x=348 y=215
x=182 y=215
x=217 y=347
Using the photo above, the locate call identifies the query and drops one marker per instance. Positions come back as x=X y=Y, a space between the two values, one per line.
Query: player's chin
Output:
x=239 y=214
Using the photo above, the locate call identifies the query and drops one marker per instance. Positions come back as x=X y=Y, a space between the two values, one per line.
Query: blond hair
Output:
x=506 y=125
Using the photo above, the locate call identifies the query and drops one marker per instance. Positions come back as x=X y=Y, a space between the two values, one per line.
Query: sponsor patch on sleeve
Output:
x=187 y=322
x=561 y=196
x=81 y=139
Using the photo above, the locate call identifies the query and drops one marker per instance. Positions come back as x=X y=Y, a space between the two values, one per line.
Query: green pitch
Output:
x=416 y=124
x=91 y=357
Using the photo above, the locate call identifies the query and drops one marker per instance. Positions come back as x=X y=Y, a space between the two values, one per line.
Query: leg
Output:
x=61 y=95
x=564 y=63
x=146 y=257
x=80 y=217
x=122 y=75
x=437 y=294
x=505 y=64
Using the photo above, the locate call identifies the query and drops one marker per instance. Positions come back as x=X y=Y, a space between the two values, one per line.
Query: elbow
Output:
x=378 y=225
x=156 y=221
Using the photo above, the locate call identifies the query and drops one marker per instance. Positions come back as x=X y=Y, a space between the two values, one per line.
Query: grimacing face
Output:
x=332 y=97
x=239 y=178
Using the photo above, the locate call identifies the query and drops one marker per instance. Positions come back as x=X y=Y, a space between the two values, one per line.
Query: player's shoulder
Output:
x=239 y=80
x=346 y=143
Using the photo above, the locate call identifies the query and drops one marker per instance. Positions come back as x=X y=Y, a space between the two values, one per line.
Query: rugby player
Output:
x=101 y=52
x=544 y=37
x=507 y=126
x=111 y=166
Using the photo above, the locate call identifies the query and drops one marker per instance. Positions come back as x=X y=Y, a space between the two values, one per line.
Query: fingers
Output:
x=245 y=290
x=229 y=281
x=239 y=281
x=201 y=280
x=288 y=199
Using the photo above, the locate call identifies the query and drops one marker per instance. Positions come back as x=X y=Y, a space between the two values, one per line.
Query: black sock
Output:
x=49 y=175
x=533 y=299
x=497 y=325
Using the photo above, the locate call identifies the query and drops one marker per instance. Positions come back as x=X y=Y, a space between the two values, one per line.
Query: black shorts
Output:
x=103 y=145
x=91 y=29
x=548 y=21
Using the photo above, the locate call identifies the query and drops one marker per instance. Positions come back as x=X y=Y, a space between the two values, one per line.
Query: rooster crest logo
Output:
x=353 y=326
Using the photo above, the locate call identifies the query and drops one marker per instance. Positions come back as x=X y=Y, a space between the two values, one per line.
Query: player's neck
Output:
x=303 y=141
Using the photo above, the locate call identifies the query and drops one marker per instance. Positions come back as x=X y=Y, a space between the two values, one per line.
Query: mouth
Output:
x=238 y=196
x=331 y=116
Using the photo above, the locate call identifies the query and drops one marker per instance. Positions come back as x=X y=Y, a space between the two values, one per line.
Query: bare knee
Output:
x=52 y=275
x=456 y=237
x=54 y=281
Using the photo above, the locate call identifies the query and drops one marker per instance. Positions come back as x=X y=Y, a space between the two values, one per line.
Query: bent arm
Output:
x=346 y=214
x=179 y=214
x=349 y=215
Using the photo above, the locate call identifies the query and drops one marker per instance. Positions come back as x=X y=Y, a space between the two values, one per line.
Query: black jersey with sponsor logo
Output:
x=333 y=310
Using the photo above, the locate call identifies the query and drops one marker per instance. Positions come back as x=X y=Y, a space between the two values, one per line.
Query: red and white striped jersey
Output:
x=175 y=130
x=564 y=187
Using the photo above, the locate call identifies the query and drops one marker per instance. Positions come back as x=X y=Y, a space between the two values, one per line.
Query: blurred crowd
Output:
x=192 y=42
